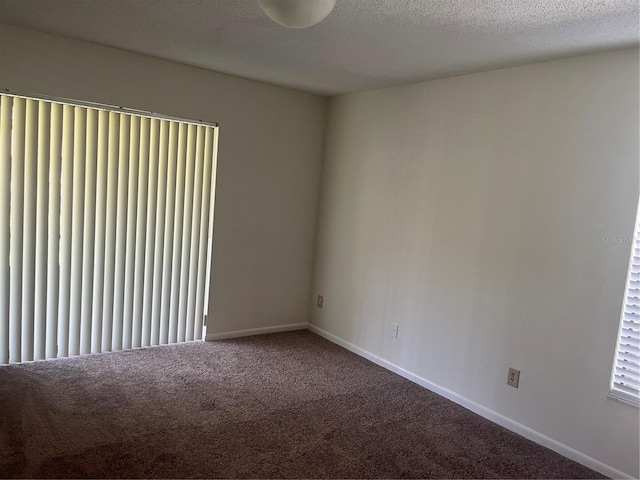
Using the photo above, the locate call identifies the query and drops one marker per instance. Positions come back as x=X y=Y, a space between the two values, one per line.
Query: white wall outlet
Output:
x=394 y=330
x=320 y=301
x=514 y=377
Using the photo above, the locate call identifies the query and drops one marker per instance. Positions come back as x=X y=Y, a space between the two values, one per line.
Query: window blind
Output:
x=105 y=229
x=626 y=370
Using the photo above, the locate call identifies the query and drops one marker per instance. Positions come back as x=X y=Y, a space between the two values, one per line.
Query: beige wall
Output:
x=268 y=165
x=472 y=211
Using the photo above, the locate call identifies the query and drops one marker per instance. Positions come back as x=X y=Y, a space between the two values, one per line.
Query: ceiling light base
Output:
x=297 y=13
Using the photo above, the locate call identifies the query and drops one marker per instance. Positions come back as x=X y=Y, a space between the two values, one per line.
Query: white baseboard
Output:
x=255 y=331
x=485 y=412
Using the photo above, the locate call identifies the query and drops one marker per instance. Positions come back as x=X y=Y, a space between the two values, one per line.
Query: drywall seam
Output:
x=481 y=410
x=256 y=331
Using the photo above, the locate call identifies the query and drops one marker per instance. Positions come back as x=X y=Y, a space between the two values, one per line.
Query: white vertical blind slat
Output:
x=110 y=234
x=210 y=206
x=140 y=234
x=121 y=232
x=185 y=265
x=195 y=235
x=88 y=239
x=158 y=138
x=77 y=227
x=154 y=304
x=102 y=168
x=17 y=215
x=66 y=220
x=53 y=224
x=178 y=212
x=42 y=208
x=6 y=114
x=169 y=224
x=130 y=234
x=206 y=212
x=29 y=225
x=104 y=229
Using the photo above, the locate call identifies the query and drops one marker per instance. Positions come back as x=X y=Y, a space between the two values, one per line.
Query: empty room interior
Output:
x=319 y=239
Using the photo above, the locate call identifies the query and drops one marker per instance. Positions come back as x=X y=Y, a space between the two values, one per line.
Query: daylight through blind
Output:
x=626 y=374
x=105 y=226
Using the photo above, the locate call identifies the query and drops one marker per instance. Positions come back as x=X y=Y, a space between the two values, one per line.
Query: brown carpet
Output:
x=289 y=405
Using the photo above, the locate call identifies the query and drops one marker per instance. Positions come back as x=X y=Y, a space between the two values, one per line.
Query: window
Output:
x=105 y=228
x=625 y=381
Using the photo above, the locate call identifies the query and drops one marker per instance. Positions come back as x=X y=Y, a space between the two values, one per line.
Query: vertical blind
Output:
x=626 y=369
x=105 y=229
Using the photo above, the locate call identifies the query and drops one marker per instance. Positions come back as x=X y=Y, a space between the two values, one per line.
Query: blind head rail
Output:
x=108 y=108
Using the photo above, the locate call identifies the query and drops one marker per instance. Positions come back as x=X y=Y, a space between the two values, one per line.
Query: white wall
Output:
x=472 y=211
x=268 y=165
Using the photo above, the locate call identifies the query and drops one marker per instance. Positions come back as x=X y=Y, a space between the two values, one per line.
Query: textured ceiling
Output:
x=363 y=44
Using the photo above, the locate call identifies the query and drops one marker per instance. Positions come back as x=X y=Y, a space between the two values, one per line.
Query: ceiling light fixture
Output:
x=297 y=13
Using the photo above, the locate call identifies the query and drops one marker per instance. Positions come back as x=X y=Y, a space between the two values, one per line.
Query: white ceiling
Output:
x=363 y=44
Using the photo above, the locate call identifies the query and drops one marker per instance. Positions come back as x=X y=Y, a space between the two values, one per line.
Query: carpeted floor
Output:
x=289 y=405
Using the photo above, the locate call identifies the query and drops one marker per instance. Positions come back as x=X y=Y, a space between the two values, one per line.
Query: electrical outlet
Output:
x=394 y=330
x=320 y=301
x=514 y=377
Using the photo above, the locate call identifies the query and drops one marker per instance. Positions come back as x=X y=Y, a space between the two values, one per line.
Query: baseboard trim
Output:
x=485 y=412
x=255 y=331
